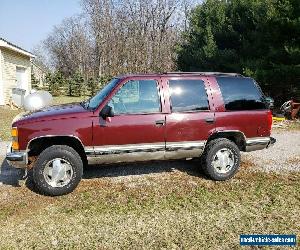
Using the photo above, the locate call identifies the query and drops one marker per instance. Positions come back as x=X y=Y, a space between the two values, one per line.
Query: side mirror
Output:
x=106 y=112
x=270 y=102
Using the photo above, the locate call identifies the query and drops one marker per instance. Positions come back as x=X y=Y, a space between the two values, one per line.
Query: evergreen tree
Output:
x=258 y=38
x=92 y=86
x=55 y=81
x=70 y=84
x=34 y=82
x=78 y=83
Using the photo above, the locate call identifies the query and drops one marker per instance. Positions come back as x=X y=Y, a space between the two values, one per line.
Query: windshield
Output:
x=94 y=102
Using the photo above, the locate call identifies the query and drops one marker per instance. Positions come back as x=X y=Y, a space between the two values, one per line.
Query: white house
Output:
x=15 y=70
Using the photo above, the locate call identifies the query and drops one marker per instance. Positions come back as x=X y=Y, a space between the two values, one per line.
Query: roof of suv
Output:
x=184 y=74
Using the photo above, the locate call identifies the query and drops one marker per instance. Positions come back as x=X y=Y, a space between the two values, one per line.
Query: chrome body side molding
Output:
x=125 y=157
x=144 y=152
x=129 y=148
x=181 y=150
x=125 y=153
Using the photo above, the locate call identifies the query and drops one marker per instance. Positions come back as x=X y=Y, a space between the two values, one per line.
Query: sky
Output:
x=27 y=22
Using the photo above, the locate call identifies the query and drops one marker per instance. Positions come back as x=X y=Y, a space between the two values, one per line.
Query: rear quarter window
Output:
x=241 y=93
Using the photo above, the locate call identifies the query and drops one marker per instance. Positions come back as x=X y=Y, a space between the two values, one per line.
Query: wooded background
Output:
x=258 y=38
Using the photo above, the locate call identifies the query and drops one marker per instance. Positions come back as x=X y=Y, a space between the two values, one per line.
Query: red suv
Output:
x=144 y=117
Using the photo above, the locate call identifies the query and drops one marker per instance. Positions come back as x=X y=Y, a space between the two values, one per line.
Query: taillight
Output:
x=270 y=120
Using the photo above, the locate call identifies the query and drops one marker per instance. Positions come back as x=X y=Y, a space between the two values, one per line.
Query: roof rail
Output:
x=205 y=73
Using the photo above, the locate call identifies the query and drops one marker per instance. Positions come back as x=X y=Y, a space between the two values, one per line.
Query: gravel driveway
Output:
x=284 y=156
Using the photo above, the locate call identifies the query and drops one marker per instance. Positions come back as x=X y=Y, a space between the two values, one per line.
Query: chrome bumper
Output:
x=259 y=143
x=17 y=159
x=271 y=142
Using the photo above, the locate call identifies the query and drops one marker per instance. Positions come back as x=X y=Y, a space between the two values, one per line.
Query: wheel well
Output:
x=237 y=137
x=38 y=145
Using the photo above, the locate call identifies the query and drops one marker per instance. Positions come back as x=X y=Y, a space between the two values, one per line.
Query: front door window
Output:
x=136 y=97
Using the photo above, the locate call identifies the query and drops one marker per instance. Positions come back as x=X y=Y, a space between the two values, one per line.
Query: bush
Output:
x=74 y=85
x=54 y=82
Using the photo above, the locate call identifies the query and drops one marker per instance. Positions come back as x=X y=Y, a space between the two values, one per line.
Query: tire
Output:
x=57 y=170
x=214 y=166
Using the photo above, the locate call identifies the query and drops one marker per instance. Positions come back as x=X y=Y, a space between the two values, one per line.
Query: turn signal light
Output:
x=14 y=132
x=15 y=145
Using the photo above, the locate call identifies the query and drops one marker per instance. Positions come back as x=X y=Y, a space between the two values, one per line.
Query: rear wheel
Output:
x=57 y=170
x=221 y=159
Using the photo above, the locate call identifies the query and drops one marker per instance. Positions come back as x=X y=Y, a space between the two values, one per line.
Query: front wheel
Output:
x=57 y=170
x=221 y=159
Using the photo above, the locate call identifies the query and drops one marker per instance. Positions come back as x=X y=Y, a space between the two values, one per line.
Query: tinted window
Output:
x=188 y=95
x=241 y=93
x=134 y=97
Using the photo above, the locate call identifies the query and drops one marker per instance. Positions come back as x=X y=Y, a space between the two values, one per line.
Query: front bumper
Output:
x=17 y=159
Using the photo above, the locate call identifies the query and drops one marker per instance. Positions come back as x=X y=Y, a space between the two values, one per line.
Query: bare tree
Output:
x=70 y=47
x=112 y=37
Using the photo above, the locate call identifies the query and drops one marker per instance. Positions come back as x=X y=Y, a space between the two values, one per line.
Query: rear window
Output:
x=188 y=95
x=241 y=93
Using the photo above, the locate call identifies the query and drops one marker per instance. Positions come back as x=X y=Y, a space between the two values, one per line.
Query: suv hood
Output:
x=51 y=112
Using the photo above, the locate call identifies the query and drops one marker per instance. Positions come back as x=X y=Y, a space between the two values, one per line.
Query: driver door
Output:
x=137 y=130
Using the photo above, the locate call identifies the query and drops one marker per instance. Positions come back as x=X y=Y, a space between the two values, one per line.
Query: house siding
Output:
x=10 y=60
x=2 y=102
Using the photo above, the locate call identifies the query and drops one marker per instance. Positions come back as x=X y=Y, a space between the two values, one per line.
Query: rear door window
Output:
x=241 y=93
x=188 y=95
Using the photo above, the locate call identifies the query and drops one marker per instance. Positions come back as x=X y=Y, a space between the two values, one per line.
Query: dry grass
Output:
x=7 y=114
x=295 y=160
x=287 y=125
x=67 y=99
x=175 y=209
x=6 y=117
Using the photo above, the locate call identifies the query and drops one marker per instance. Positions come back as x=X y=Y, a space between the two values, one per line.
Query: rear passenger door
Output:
x=189 y=121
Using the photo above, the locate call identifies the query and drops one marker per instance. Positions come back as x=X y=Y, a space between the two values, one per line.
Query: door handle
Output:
x=210 y=119
x=160 y=122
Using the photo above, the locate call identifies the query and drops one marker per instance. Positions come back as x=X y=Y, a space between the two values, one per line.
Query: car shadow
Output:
x=9 y=175
x=191 y=167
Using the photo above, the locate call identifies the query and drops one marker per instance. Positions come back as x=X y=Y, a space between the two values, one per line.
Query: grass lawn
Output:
x=169 y=210
x=7 y=114
x=6 y=117
x=67 y=99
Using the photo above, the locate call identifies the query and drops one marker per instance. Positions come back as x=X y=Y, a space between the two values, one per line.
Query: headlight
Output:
x=15 y=141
